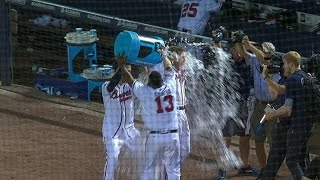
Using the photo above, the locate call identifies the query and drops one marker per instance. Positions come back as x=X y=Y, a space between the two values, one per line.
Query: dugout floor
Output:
x=46 y=137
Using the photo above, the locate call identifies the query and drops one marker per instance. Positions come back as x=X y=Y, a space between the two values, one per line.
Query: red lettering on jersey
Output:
x=189 y=10
x=168 y=108
x=114 y=94
x=122 y=97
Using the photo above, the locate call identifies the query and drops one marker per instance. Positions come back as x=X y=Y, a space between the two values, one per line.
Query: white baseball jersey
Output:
x=180 y=83
x=196 y=13
x=158 y=105
x=119 y=111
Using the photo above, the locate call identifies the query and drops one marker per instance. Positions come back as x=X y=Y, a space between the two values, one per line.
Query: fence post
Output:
x=5 y=44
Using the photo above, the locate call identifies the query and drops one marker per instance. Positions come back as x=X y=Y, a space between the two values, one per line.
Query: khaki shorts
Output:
x=265 y=135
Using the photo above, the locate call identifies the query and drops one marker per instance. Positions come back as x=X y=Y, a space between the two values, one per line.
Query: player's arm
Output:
x=126 y=75
x=167 y=64
x=169 y=73
x=114 y=81
x=213 y=6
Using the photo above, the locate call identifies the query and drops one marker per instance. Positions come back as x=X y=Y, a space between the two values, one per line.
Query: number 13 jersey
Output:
x=158 y=105
x=196 y=13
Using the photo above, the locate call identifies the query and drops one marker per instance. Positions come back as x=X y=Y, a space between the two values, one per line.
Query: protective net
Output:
x=64 y=49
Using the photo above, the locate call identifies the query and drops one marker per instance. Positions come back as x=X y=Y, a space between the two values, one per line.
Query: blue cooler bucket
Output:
x=139 y=50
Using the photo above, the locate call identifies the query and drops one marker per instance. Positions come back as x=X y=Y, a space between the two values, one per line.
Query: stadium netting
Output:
x=39 y=39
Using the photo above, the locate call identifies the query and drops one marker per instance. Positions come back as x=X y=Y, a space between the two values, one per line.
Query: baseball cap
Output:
x=268 y=47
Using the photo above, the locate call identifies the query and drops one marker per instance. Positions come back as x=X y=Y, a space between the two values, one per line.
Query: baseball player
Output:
x=184 y=130
x=196 y=13
x=177 y=57
x=159 y=115
x=118 y=128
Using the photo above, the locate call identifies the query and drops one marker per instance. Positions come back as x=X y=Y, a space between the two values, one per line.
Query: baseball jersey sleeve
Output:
x=105 y=93
x=104 y=89
x=138 y=88
x=213 y=5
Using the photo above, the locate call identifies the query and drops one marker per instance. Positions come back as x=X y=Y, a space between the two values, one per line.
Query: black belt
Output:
x=164 y=131
x=181 y=107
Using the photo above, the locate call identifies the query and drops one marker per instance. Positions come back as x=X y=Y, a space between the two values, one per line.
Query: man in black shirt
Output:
x=296 y=101
x=277 y=152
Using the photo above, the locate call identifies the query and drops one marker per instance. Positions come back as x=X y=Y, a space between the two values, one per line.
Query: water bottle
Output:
x=94 y=68
x=140 y=50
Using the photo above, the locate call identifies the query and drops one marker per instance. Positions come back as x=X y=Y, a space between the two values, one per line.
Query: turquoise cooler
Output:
x=140 y=50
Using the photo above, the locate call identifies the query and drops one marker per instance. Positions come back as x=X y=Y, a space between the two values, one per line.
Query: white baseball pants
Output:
x=184 y=135
x=167 y=147
x=113 y=146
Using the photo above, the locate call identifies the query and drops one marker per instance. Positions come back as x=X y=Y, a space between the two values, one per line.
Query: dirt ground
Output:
x=45 y=137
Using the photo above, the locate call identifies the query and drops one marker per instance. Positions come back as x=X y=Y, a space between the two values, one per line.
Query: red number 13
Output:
x=189 y=10
x=169 y=108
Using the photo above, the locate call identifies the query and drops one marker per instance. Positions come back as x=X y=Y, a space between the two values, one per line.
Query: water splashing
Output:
x=212 y=99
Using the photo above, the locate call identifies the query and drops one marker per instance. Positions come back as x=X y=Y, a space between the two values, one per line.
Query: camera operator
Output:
x=277 y=151
x=260 y=94
x=294 y=108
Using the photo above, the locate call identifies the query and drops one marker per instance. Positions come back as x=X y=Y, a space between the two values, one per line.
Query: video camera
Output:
x=219 y=34
x=236 y=37
x=276 y=65
x=232 y=37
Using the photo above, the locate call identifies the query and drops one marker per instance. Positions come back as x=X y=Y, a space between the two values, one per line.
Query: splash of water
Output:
x=212 y=99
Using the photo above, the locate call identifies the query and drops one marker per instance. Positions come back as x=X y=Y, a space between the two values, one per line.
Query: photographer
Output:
x=294 y=107
x=260 y=94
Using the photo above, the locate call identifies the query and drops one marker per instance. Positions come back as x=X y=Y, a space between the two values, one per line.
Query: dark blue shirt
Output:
x=285 y=122
x=296 y=92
